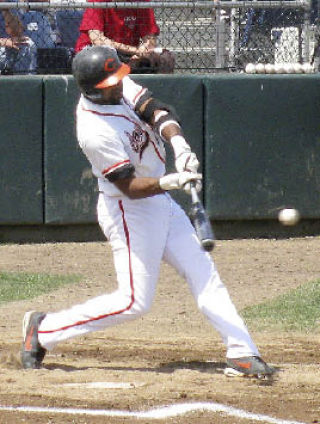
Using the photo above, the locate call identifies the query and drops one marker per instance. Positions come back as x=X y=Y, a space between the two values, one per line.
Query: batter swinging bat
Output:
x=201 y=221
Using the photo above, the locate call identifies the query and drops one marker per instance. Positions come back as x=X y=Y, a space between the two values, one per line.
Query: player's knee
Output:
x=140 y=308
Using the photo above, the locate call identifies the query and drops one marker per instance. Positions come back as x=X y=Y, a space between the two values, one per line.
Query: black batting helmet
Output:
x=97 y=67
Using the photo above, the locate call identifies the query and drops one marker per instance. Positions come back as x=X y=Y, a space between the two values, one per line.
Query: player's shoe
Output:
x=252 y=366
x=32 y=353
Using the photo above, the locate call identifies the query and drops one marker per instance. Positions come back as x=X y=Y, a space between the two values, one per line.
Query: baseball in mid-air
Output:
x=289 y=216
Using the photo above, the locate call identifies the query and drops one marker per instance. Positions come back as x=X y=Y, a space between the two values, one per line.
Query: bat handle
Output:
x=193 y=191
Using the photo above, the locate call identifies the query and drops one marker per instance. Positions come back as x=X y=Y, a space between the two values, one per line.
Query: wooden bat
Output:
x=201 y=221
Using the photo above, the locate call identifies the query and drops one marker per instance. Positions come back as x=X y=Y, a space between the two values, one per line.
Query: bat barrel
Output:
x=202 y=226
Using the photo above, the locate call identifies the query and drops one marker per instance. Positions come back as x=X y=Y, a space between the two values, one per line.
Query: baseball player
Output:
x=122 y=129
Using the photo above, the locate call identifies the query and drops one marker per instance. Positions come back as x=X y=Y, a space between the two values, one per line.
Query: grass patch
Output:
x=21 y=285
x=296 y=310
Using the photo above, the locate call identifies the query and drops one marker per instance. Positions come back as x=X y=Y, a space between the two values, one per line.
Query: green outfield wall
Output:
x=262 y=145
x=21 y=166
x=257 y=138
x=70 y=190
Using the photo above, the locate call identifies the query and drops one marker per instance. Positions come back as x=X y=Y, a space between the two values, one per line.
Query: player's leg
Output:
x=137 y=233
x=185 y=254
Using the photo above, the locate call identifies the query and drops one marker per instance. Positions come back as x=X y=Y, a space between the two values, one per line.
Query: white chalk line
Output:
x=105 y=385
x=158 y=413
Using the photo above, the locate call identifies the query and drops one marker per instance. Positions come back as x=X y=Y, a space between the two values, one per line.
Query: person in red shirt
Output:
x=132 y=32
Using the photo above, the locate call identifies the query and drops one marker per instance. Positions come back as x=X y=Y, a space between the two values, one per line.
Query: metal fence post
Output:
x=233 y=37
x=305 y=35
x=220 y=62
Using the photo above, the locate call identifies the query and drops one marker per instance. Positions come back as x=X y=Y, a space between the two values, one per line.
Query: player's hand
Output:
x=198 y=186
x=179 y=180
x=187 y=161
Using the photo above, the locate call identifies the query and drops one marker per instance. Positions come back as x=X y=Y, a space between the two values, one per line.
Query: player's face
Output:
x=113 y=95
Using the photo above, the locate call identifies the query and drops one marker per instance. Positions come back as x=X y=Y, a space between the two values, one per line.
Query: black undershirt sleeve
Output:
x=125 y=171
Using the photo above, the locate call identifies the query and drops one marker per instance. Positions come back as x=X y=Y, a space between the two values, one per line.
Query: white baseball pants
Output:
x=142 y=233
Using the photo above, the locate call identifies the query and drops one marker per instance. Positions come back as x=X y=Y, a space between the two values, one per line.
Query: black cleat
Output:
x=32 y=353
x=252 y=366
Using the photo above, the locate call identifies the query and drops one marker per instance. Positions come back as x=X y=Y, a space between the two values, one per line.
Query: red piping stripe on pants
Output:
x=127 y=235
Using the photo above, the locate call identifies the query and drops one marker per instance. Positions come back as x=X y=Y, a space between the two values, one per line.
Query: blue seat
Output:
x=68 y=23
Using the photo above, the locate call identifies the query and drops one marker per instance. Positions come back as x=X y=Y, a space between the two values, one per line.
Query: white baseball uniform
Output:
x=142 y=233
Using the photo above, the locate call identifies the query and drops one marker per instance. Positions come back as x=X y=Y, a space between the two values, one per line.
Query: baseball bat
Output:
x=201 y=221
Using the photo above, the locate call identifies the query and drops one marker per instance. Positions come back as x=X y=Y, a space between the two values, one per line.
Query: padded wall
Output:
x=261 y=132
x=21 y=151
x=70 y=188
x=262 y=145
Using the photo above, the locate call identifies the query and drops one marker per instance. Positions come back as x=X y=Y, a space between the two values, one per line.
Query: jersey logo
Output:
x=139 y=140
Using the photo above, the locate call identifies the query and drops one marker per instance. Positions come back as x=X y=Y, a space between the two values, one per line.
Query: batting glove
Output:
x=185 y=160
x=198 y=187
x=179 y=180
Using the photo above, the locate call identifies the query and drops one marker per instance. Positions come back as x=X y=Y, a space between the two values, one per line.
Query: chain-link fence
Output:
x=205 y=36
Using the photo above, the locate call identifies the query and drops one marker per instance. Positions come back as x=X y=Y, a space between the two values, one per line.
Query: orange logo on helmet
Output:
x=110 y=65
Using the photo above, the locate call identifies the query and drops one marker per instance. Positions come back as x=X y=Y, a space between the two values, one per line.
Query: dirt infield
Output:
x=171 y=355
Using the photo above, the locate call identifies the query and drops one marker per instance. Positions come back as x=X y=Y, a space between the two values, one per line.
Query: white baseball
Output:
x=289 y=216
x=260 y=68
x=269 y=68
x=307 y=68
x=297 y=68
x=288 y=68
x=250 y=68
x=278 y=67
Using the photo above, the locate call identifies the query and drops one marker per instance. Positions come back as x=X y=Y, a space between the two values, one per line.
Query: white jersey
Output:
x=113 y=136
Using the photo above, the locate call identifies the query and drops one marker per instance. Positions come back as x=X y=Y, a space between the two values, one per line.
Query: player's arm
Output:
x=123 y=176
x=134 y=187
x=110 y=161
x=139 y=187
x=165 y=122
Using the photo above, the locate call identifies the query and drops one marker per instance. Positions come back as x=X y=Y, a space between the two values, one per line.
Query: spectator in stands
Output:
x=17 y=51
x=262 y=21
x=40 y=26
x=132 y=32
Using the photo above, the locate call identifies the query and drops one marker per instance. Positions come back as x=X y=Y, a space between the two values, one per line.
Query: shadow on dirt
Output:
x=166 y=368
